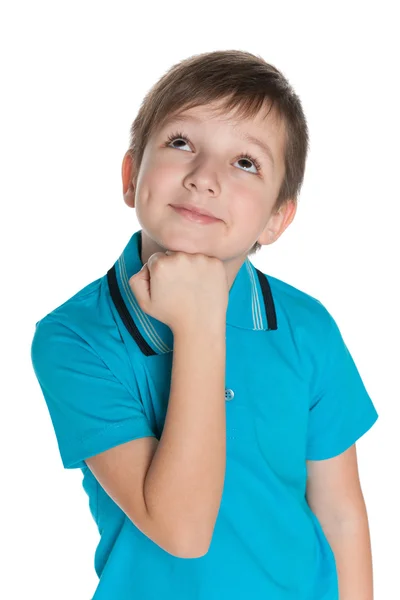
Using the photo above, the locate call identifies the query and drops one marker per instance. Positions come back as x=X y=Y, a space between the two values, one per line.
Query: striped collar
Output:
x=250 y=304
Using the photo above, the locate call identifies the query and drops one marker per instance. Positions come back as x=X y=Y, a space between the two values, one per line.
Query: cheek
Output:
x=158 y=181
x=161 y=174
x=250 y=207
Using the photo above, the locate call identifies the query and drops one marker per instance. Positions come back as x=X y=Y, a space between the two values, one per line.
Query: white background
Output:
x=73 y=77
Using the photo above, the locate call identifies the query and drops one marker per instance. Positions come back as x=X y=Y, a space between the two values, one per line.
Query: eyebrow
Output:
x=263 y=146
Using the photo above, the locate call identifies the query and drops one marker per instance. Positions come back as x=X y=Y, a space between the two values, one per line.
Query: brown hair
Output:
x=243 y=81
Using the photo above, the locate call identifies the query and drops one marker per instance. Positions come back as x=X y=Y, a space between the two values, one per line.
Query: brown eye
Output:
x=184 y=139
x=247 y=158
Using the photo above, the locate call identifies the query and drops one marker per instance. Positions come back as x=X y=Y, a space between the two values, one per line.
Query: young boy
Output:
x=213 y=409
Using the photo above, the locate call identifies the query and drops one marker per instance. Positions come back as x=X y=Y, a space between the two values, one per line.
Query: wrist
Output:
x=215 y=327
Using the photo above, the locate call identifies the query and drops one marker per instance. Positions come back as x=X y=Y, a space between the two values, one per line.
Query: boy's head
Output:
x=226 y=95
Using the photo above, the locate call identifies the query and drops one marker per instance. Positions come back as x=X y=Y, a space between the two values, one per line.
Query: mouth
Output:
x=194 y=216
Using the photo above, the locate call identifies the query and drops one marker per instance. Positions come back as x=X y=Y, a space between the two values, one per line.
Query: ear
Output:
x=128 y=179
x=278 y=222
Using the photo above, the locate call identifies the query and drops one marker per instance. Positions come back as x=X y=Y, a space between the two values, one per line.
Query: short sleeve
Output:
x=341 y=410
x=90 y=409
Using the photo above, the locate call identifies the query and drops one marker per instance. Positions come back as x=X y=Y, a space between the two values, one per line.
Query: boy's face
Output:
x=207 y=171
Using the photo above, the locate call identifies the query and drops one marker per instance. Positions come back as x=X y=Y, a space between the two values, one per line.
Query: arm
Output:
x=334 y=495
x=184 y=482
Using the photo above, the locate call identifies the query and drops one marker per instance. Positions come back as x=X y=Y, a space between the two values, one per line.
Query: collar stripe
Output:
x=124 y=313
x=268 y=300
x=141 y=315
x=255 y=302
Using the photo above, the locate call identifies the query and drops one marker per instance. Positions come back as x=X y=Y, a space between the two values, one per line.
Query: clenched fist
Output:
x=178 y=289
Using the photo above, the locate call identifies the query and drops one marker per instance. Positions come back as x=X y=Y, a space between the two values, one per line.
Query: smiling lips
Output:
x=193 y=216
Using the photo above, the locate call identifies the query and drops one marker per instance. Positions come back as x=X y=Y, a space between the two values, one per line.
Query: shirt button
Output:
x=229 y=394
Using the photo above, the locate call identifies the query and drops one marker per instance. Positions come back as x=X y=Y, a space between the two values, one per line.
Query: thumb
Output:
x=140 y=286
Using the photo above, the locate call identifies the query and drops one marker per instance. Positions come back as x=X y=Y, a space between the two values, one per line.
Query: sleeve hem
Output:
x=363 y=427
x=115 y=434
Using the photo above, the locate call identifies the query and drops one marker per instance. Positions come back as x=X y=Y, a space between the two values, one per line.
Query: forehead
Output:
x=216 y=111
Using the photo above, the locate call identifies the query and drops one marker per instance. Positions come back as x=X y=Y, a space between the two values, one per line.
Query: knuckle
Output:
x=201 y=258
x=215 y=263
x=155 y=261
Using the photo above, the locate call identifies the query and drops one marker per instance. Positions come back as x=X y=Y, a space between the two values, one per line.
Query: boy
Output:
x=212 y=409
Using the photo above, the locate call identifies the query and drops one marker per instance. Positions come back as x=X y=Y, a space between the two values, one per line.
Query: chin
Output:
x=182 y=241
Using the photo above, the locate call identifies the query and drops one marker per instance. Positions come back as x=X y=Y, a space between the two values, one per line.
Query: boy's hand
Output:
x=178 y=288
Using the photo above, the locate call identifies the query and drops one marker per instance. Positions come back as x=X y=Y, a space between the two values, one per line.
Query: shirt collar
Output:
x=250 y=304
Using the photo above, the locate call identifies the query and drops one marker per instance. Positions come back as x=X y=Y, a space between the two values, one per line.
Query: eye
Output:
x=243 y=157
x=250 y=159
x=176 y=136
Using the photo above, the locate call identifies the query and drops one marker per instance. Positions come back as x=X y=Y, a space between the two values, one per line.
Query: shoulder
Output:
x=86 y=327
x=306 y=329
x=85 y=316
x=299 y=308
x=85 y=309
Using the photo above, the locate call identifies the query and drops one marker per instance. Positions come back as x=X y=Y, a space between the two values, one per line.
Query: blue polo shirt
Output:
x=292 y=391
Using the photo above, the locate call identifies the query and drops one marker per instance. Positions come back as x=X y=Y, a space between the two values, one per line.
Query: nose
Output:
x=199 y=188
x=204 y=178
